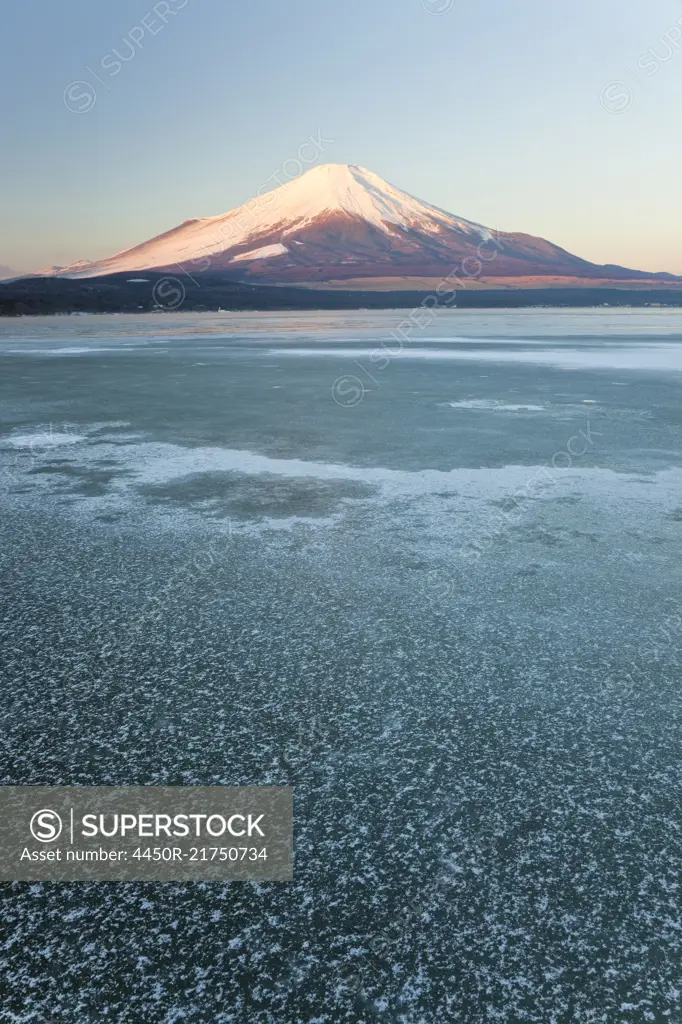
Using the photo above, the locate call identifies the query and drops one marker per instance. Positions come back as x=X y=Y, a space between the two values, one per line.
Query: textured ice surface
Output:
x=455 y=631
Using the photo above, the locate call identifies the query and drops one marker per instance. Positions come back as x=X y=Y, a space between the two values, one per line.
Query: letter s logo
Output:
x=617 y=97
x=46 y=826
x=347 y=391
x=79 y=97
x=169 y=293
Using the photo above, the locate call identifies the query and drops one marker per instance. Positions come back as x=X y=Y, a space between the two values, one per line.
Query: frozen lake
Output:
x=438 y=590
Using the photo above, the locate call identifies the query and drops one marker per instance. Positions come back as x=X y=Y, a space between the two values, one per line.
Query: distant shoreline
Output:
x=156 y=292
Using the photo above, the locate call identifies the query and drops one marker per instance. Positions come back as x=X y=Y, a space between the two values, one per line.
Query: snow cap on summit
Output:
x=361 y=193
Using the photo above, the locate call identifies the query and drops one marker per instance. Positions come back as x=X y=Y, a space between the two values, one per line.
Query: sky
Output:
x=557 y=119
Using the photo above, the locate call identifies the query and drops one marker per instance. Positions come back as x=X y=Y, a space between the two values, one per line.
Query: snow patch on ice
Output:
x=45 y=439
x=486 y=405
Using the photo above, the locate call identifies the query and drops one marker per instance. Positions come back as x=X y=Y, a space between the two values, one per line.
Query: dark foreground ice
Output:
x=448 y=614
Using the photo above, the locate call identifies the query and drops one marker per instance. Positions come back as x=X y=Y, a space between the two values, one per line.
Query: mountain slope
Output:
x=340 y=223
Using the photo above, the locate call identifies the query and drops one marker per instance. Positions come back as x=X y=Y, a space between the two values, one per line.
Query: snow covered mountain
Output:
x=341 y=224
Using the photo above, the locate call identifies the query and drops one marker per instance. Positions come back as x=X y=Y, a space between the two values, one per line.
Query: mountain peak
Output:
x=265 y=226
x=342 y=222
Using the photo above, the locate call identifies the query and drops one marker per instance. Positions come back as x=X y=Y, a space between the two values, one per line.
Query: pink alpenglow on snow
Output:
x=339 y=223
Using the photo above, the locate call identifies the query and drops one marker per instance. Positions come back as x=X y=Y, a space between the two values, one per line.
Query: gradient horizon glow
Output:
x=121 y=121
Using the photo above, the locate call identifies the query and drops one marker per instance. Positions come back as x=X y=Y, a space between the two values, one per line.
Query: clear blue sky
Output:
x=491 y=110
